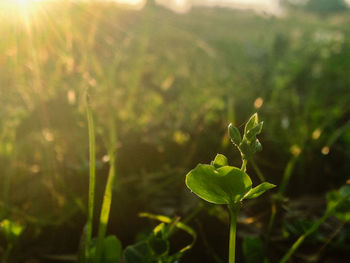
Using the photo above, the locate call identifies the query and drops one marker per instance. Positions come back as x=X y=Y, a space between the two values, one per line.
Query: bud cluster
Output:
x=249 y=144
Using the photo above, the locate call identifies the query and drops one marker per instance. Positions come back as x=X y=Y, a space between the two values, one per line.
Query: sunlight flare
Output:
x=25 y=3
x=19 y=7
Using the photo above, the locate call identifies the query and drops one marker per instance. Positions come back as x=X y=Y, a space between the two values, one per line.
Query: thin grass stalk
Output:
x=271 y=222
x=92 y=179
x=257 y=170
x=6 y=188
x=107 y=198
x=105 y=210
x=312 y=229
x=286 y=175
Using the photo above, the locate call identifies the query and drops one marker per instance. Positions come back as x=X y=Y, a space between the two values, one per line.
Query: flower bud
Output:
x=234 y=134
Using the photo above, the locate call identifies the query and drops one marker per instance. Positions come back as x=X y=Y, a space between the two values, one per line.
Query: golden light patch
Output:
x=316 y=134
x=325 y=150
x=258 y=103
x=295 y=150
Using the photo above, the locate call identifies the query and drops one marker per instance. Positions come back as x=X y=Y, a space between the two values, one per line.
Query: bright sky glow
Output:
x=176 y=5
x=20 y=4
x=130 y=2
x=25 y=3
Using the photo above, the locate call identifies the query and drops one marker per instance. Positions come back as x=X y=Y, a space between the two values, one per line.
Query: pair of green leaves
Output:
x=249 y=144
x=112 y=249
x=11 y=230
x=220 y=183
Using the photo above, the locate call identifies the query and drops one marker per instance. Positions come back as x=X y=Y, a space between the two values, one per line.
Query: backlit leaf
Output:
x=226 y=185
x=234 y=134
x=251 y=123
x=259 y=190
x=219 y=161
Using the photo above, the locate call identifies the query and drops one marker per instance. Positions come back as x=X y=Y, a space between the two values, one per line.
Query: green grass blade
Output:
x=92 y=178
x=105 y=210
x=312 y=229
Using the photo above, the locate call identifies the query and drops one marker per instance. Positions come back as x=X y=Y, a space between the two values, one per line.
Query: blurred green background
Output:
x=167 y=85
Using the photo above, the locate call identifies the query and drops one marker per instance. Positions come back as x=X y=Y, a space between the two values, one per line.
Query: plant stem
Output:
x=234 y=209
x=91 y=181
x=286 y=177
x=7 y=253
x=287 y=174
x=271 y=222
x=257 y=170
x=188 y=218
x=312 y=229
x=107 y=198
x=244 y=165
x=106 y=206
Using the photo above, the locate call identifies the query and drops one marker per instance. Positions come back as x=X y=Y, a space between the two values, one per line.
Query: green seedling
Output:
x=220 y=183
x=92 y=178
x=100 y=249
x=11 y=230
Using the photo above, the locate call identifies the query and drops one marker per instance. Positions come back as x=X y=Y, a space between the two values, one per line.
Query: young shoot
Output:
x=220 y=183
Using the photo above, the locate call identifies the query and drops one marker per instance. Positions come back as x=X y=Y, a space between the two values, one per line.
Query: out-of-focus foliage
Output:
x=11 y=230
x=334 y=197
x=169 y=83
x=326 y=6
x=253 y=250
x=321 y=7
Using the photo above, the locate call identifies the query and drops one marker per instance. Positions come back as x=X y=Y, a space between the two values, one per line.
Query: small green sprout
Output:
x=220 y=183
x=11 y=231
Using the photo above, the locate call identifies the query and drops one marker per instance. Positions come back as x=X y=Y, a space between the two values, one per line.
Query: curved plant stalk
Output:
x=330 y=238
x=312 y=229
x=92 y=178
x=287 y=174
x=288 y=171
x=339 y=132
x=257 y=170
x=271 y=221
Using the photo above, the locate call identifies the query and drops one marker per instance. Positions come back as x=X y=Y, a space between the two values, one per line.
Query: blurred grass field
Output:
x=169 y=83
